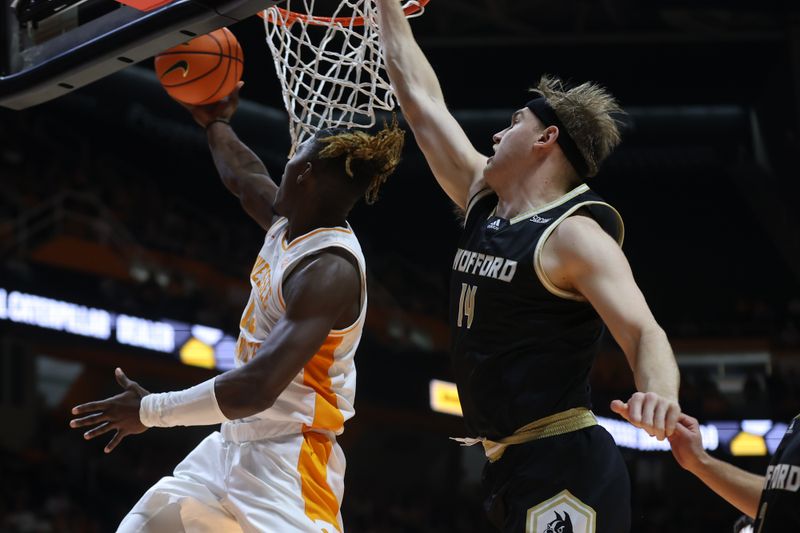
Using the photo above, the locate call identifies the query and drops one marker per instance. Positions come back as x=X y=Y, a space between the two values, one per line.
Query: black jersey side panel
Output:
x=779 y=508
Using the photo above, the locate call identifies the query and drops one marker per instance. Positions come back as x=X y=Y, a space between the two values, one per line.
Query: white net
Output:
x=331 y=68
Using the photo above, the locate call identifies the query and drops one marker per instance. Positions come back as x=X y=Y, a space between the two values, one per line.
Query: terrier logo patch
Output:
x=563 y=513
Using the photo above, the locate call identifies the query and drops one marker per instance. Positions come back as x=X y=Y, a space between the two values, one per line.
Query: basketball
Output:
x=203 y=70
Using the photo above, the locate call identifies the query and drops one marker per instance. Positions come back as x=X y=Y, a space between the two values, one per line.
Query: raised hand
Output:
x=224 y=109
x=650 y=411
x=119 y=413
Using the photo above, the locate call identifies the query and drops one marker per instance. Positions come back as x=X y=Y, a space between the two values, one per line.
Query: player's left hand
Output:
x=119 y=413
x=651 y=412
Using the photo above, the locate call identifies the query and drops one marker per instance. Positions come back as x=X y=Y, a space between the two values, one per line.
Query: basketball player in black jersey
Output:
x=772 y=500
x=537 y=272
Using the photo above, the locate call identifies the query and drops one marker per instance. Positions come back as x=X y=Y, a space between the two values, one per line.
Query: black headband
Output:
x=547 y=115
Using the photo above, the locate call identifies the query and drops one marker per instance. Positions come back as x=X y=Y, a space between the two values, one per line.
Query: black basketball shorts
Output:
x=571 y=483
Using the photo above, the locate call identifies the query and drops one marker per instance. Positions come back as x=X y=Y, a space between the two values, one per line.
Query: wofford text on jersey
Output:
x=783 y=477
x=484 y=265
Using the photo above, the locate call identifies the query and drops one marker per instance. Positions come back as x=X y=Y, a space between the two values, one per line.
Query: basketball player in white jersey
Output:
x=275 y=465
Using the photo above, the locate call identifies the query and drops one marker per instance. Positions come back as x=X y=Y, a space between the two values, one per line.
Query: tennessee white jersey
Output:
x=282 y=469
x=321 y=396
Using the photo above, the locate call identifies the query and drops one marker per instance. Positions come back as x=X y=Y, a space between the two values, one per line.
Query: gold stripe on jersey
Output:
x=538 y=266
x=474 y=200
x=555 y=203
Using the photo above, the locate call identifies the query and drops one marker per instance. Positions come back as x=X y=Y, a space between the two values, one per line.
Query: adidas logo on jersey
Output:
x=539 y=220
x=494 y=224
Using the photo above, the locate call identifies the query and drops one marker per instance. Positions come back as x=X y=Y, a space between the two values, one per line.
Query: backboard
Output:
x=51 y=47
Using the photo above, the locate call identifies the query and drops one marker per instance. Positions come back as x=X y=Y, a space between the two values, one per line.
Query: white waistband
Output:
x=258 y=429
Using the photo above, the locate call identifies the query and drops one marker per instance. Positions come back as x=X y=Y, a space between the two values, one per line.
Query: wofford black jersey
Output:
x=779 y=509
x=522 y=347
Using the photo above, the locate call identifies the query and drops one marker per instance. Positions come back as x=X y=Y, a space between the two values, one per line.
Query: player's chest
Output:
x=496 y=254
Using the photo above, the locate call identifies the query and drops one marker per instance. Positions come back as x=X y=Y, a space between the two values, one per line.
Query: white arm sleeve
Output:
x=196 y=406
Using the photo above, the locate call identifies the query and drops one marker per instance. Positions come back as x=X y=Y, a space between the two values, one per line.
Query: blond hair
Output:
x=367 y=158
x=586 y=111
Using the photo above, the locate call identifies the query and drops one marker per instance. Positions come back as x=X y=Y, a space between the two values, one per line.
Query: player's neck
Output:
x=528 y=192
x=302 y=223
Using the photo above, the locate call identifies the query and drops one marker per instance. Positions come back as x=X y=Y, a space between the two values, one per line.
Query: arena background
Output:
x=109 y=200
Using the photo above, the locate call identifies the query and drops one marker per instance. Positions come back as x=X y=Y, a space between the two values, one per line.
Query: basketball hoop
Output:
x=331 y=68
x=411 y=8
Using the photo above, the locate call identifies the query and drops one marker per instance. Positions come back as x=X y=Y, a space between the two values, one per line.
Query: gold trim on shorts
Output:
x=549 y=426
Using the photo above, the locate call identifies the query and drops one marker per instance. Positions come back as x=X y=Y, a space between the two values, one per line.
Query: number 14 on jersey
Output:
x=466 y=304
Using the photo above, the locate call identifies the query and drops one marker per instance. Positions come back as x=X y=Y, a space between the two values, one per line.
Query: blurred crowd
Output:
x=136 y=201
x=137 y=194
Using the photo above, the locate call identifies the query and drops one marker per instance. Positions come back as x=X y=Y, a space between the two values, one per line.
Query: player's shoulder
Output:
x=580 y=226
x=580 y=238
x=329 y=266
x=330 y=271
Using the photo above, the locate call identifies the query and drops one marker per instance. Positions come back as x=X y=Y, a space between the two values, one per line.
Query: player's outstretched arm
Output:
x=240 y=169
x=322 y=293
x=738 y=487
x=456 y=164
x=583 y=258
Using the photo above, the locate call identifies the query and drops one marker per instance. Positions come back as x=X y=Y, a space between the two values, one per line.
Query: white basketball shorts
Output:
x=288 y=483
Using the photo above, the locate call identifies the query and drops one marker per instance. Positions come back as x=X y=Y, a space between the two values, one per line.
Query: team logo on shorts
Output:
x=562 y=524
x=563 y=513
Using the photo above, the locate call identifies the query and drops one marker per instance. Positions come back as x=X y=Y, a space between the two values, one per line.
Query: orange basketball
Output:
x=202 y=71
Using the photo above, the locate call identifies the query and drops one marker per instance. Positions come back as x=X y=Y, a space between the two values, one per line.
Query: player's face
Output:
x=288 y=192
x=513 y=146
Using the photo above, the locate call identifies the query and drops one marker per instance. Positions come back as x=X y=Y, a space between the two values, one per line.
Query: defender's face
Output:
x=513 y=145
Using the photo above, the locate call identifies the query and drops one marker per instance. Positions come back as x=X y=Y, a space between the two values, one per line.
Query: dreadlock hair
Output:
x=368 y=159
x=587 y=111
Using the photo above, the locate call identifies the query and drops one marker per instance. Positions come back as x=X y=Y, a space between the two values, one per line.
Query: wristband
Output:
x=223 y=120
x=196 y=406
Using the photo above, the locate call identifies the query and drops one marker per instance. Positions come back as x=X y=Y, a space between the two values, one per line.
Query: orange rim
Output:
x=290 y=17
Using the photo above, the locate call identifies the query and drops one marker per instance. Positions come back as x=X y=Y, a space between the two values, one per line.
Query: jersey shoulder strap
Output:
x=480 y=206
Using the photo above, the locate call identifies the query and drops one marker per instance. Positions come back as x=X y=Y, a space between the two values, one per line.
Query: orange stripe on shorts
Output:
x=320 y=501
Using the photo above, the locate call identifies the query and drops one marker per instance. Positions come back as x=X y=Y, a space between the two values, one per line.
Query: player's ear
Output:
x=549 y=135
x=305 y=173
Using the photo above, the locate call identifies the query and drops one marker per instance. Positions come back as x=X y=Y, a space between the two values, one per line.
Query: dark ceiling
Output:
x=488 y=52
x=711 y=87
